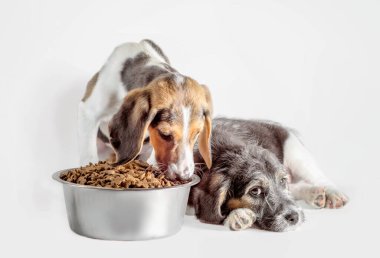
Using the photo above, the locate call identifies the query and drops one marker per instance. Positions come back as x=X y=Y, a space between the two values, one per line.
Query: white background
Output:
x=312 y=65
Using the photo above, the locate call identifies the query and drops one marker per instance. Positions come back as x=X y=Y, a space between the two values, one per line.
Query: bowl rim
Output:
x=195 y=179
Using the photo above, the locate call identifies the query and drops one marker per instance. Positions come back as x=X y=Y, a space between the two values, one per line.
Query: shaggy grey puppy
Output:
x=258 y=170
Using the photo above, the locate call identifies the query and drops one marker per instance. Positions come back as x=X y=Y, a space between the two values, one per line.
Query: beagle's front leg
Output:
x=88 y=126
x=239 y=219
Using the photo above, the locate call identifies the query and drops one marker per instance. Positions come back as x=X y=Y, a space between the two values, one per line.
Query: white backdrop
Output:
x=312 y=65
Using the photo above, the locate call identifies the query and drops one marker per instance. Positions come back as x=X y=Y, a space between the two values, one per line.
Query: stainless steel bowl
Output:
x=125 y=214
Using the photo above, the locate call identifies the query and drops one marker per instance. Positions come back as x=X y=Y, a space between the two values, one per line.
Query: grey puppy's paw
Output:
x=316 y=196
x=240 y=219
x=334 y=198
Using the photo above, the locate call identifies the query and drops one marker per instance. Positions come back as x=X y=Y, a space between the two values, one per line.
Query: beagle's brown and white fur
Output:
x=136 y=95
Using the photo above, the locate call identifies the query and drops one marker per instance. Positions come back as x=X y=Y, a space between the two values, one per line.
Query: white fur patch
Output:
x=186 y=162
x=302 y=165
x=179 y=79
x=184 y=166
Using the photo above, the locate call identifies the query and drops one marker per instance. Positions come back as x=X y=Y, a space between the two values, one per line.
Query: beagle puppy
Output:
x=138 y=96
x=259 y=169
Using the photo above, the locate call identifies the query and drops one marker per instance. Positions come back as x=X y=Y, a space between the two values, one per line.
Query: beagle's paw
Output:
x=240 y=219
x=334 y=198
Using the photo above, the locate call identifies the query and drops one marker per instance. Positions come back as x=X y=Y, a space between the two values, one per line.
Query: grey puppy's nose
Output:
x=292 y=217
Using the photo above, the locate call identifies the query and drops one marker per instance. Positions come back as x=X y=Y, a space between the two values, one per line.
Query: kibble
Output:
x=135 y=174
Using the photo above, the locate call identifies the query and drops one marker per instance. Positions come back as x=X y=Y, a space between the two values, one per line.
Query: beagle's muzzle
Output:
x=136 y=95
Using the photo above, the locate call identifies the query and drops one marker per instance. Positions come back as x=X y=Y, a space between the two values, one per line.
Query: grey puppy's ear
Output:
x=129 y=125
x=208 y=203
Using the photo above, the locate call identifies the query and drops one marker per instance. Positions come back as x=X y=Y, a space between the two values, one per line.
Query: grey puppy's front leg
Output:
x=239 y=219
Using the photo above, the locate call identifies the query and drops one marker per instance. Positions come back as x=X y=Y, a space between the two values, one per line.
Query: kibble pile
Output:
x=135 y=174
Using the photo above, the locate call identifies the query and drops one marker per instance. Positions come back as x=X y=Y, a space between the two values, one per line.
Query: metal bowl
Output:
x=125 y=214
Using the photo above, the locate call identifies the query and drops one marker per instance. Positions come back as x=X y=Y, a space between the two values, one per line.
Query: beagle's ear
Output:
x=205 y=135
x=129 y=125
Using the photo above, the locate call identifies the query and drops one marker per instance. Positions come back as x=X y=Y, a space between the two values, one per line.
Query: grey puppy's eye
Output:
x=284 y=181
x=256 y=191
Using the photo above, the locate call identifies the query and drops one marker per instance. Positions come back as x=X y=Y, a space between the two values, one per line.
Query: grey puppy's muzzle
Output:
x=286 y=216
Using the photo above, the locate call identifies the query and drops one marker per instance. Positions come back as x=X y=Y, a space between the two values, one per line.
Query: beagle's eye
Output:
x=167 y=137
x=256 y=191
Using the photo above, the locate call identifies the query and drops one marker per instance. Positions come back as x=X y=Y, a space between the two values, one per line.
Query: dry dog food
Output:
x=135 y=174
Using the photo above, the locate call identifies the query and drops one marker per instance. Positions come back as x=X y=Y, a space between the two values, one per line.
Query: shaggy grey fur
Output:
x=246 y=153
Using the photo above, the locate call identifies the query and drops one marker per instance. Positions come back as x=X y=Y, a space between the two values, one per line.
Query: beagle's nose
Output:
x=183 y=172
x=186 y=173
x=292 y=217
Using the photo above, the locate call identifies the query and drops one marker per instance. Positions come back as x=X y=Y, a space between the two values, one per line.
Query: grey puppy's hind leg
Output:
x=303 y=168
x=312 y=195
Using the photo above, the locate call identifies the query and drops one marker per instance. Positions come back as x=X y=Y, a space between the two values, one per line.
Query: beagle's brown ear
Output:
x=205 y=135
x=129 y=125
